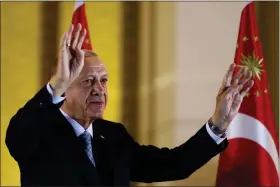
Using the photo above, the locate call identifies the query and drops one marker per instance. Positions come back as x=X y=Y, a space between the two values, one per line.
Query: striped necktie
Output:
x=86 y=138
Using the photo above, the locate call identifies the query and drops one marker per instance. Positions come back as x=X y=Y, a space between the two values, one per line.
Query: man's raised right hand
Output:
x=70 y=60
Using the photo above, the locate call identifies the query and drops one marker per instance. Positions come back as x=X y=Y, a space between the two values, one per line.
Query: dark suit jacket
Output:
x=48 y=151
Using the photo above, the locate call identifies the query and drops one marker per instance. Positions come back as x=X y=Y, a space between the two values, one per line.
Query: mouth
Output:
x=97 y=103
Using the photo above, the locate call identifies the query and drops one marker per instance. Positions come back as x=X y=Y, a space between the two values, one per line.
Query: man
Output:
x=60 y=138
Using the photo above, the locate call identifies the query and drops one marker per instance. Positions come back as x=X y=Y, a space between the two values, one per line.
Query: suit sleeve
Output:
x=153 y=164
x=27 y=127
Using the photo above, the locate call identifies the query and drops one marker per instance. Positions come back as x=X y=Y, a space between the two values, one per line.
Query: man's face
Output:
x=87 y=95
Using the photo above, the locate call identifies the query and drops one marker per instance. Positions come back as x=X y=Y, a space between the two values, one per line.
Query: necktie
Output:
x=86 y=138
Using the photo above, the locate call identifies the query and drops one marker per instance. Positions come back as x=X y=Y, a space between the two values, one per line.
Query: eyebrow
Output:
x=93 y=74
x=99 y=65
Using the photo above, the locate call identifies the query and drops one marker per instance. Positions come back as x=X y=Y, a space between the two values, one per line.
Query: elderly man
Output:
x=60 y=138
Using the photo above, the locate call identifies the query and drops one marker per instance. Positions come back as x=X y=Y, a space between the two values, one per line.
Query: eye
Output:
x=104 y=80
x=88 y=82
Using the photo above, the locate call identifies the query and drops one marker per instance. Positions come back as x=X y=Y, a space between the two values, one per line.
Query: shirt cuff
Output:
x=216 y=138
x=55 y=99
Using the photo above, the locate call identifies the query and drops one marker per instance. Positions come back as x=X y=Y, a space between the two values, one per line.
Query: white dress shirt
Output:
x=79 y=129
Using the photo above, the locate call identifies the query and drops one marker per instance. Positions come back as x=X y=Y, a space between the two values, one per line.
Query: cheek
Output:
x=106 y=98
x=79 y=95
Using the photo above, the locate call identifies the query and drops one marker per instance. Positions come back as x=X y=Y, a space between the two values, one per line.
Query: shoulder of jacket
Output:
x=111 y=124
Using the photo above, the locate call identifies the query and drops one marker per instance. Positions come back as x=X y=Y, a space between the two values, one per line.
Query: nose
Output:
x=97 y=88
x=98 y=94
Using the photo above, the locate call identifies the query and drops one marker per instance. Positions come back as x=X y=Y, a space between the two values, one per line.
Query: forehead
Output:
x=93 y=65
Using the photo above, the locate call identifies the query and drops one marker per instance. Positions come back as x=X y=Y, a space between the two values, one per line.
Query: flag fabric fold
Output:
x=79 y=16
x=252 y=156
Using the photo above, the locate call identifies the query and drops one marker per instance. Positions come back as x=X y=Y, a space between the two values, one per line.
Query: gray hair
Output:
x=89 y=53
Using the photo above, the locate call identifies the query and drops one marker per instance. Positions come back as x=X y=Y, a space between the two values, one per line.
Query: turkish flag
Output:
x=251 y=158
x=79 y=16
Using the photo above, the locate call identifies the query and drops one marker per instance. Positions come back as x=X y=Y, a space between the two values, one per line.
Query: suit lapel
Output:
x=72 y=148
x=104 y=152
x=108 y=168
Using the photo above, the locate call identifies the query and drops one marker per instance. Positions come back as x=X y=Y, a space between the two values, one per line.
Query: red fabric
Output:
x=79 y=16
x=245 y=162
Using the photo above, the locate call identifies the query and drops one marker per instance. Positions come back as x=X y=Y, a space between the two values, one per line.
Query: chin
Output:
x=96 y=115
x=95 y=112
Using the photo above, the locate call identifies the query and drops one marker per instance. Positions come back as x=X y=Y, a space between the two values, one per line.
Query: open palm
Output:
x=71 y=57
x=230 y=96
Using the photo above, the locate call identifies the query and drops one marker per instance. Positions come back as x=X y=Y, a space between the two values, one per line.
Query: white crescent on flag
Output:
x=252 y=157
x=247 y=127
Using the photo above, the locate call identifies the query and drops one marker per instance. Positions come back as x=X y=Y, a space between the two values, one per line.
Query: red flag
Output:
x=252 y=156
x=79 y=16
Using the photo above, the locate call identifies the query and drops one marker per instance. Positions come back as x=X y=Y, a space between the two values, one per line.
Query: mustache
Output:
x=97 y=97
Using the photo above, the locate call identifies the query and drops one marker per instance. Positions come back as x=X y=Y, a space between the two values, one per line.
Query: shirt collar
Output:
x=76 y=126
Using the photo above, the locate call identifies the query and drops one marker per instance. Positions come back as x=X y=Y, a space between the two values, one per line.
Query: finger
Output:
x=238 y=75
x=63 y=41
x=245 y=80
x=81 y=40
x=247 y=89
x=227 y=79
x=76 y=36
x=235 y=82
x=228 y=76
x=69 y=32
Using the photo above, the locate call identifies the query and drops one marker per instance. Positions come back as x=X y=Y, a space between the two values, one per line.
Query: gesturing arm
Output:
x=28 y=127
x=152 y=164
